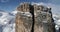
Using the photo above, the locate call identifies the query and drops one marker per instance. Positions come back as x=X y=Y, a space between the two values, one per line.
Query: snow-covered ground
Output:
x=56 y=18
x=7 y=21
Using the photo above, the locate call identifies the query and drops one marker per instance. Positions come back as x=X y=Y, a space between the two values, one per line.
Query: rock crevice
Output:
x=34 y=18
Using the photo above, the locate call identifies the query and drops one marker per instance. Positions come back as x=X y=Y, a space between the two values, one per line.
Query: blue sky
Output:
x=10 y=5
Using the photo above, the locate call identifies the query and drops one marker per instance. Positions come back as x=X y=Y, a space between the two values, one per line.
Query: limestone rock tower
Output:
x=34 y=18
x=24 y=18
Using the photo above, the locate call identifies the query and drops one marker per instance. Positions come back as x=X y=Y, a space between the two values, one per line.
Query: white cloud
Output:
x=4 y=0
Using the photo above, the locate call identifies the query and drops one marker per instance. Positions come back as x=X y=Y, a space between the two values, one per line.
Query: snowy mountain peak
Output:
x=14 y=12
x=7 y=21
x=5 y=17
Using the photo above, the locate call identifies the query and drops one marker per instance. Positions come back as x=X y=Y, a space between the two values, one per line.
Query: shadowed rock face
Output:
x=43 y=20
x=34 y=18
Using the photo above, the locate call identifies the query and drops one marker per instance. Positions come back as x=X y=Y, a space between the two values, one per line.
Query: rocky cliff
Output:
x=34 y=18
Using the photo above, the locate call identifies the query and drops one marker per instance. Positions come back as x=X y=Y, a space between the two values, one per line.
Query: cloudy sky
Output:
x=10 y=5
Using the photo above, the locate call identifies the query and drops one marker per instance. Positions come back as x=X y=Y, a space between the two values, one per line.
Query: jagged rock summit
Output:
x=34 y=18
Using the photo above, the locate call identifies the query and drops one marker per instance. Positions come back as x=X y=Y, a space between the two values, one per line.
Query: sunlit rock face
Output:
x=24 y=18
x=23 y=22
x=24 y=7
x=34 y=18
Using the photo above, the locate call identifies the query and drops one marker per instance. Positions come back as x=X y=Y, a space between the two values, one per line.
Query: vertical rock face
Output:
x=34 y=18
x=43 y=19
x=24 y=7
x=24 y=18
x=23 y=22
